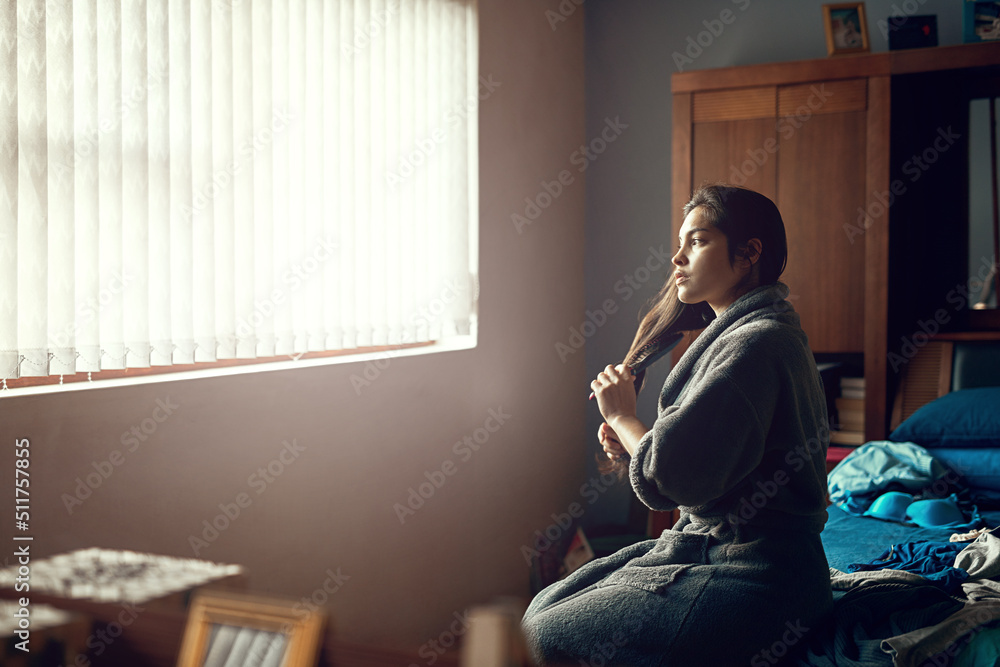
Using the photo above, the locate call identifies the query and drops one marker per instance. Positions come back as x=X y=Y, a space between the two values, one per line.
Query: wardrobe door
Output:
x=734 y=139
x=821 y=194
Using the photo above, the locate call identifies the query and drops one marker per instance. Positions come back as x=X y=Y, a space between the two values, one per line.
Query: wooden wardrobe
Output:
x=829 y=142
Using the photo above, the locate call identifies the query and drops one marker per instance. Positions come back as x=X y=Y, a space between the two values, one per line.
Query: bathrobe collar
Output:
x=766 y=301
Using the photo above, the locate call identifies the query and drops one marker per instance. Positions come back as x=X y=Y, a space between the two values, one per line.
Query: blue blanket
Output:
x=880 y=466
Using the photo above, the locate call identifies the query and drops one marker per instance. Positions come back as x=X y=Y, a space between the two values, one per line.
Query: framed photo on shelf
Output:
x=846 y=28
x=981 y=21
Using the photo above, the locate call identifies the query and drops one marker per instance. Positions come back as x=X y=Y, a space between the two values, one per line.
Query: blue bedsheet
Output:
x=866 y=615
x=858 y=539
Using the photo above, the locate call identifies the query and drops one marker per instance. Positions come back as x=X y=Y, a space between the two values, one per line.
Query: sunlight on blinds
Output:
x=186 y=181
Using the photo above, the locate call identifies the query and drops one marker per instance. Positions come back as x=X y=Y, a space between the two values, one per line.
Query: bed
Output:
x=947 y=408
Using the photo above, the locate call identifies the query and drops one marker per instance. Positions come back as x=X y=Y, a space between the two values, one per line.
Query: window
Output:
x=185 y=181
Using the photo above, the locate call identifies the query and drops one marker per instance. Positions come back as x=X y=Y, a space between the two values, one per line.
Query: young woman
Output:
x=738 y=445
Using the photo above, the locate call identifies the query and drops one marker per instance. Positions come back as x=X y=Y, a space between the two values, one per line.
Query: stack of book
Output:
x=850 y=412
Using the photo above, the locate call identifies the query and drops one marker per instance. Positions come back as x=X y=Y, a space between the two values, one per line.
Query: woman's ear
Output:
x=751 y=252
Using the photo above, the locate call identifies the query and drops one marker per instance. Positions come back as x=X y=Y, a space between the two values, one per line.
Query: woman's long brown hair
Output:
x=666 y=315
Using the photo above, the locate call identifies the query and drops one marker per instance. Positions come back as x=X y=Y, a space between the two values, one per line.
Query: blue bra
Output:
x=932 y=513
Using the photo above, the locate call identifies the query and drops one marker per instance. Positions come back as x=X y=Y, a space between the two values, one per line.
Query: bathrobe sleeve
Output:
x=702 y=447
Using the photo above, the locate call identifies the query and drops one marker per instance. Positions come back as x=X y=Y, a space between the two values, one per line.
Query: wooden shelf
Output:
x=968 y=335
x=839 y=67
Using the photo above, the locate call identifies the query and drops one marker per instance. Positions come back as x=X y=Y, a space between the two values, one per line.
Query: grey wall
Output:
x=631 y=47
x=331 y=505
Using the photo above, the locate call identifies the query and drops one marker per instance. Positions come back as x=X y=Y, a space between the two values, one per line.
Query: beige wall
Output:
x=332 y=506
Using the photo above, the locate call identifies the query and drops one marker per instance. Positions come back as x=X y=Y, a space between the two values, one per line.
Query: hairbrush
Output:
x=652 y=352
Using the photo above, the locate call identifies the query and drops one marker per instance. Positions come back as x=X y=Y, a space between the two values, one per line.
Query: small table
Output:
x=137 y=601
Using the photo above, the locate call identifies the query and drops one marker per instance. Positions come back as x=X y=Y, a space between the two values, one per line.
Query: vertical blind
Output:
x=194 y=180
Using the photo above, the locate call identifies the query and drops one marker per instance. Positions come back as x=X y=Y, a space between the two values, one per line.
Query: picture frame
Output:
x=980 y=21
x=846 y=28
x=223 y=627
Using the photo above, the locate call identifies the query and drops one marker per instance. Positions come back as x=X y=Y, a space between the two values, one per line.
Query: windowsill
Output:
x=241 y=366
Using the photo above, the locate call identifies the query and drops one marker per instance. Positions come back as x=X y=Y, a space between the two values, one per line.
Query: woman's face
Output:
x=703 y=271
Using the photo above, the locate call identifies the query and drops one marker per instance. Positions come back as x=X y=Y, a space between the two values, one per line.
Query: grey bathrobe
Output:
x=739 y=445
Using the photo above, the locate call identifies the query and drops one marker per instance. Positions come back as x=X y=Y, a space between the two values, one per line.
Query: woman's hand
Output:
x=611 y=443
x=615 y=392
